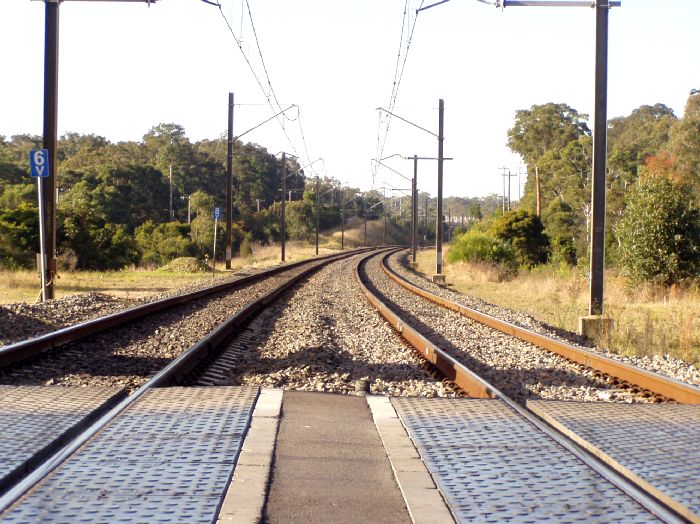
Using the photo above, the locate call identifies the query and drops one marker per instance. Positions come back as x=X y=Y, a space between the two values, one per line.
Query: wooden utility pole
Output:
x=284 y=197
x=229 y=183
x=170 y=184
x=539 y=196
x=438 y=221
x=414 y=210
x=318 y=203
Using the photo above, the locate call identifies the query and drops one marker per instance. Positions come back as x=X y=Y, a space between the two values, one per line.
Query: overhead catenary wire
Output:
x=396 y=83
x=269 y=97
x=272 y=90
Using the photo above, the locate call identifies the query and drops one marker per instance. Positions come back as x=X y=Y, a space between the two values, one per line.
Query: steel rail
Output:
x=170 y=375
x=659 y=384
x=464 y=375
x=28 y=348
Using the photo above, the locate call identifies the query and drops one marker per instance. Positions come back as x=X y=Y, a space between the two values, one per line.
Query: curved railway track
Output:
x=636 y=379
x=319 y=338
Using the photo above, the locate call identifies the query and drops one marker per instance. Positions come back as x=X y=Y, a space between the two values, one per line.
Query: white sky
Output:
x=126 y=67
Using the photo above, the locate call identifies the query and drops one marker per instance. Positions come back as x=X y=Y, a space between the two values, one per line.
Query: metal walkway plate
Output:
x=34 y=418
x=167 y=458
x=655 y=445
x=492 y=465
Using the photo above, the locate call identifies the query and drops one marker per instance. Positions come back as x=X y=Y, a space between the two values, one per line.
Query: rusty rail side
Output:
x=668 y=387
x=28 y=348
x=468 y=381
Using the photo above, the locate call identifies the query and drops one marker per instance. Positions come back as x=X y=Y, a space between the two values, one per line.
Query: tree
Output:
x=543 y=128
x=160 y=244
x=524 y=231
x=563 y=229
x=659 y=232
x=19 y=236
x=685 y=143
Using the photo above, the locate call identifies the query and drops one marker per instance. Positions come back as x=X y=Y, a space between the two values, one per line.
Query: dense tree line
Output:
x=115 y=206
x=652 y=202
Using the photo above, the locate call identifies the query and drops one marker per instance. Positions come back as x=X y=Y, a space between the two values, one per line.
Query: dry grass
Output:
x=648 y=320
x=24 y=286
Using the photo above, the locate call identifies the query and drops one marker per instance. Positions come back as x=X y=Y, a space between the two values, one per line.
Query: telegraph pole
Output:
x=414 y=210
x=364 y=212
x=384 y=213
x=170 y=184
x=503 y=175
x=425 y=223
x=342 y=221
x=284 y=197
x=438 y=222
x=539 y=197
x=50 y=140
x=599 y=147
x=318 y=203
x=509 y=175
x=229 y=183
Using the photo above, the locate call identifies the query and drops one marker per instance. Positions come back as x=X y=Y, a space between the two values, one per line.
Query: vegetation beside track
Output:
x=649 y=319
x=23 y=285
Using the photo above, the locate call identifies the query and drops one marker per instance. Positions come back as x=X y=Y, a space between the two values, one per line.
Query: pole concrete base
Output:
x=595 y=327
x=439 y=279
x=413 y=265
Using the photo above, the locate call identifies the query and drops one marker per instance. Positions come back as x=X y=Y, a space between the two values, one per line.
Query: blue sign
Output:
x=39 y=162
x=217 y=213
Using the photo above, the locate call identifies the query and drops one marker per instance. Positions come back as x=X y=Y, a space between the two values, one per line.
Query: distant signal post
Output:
x=39 y=169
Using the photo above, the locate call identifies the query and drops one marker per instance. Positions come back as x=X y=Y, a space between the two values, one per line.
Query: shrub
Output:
x=476 y=246
x=659 y=232
x=524 y=232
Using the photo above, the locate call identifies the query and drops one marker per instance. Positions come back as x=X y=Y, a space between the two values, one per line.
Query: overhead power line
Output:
x=383 y=131
x=269 y=93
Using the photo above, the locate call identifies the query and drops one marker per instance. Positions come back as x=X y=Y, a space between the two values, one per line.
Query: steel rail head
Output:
x=668 y=387
x=466 y=375
x=169 y=375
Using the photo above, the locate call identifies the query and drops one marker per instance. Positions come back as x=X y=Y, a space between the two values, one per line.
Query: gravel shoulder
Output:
x=662 y=364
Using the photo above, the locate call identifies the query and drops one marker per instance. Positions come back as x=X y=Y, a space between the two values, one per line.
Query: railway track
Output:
x=323 y=337
x=124 y=349
x=627 y=466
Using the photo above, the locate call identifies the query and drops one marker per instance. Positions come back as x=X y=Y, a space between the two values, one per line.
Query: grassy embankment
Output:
x=648 y=320
x=23 y=286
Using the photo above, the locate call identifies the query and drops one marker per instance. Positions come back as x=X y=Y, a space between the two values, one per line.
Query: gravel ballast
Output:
x=324 y=336
x=129 y=355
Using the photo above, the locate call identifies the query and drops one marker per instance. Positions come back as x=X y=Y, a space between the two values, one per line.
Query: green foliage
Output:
x=660 y=232
x=478 y=246
x=685 y=144
x=162 y=243
x=19 y=236
x=562 y=227
x=524 y=232
x=301 y=220
x=83 y=228
x=545 y=128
